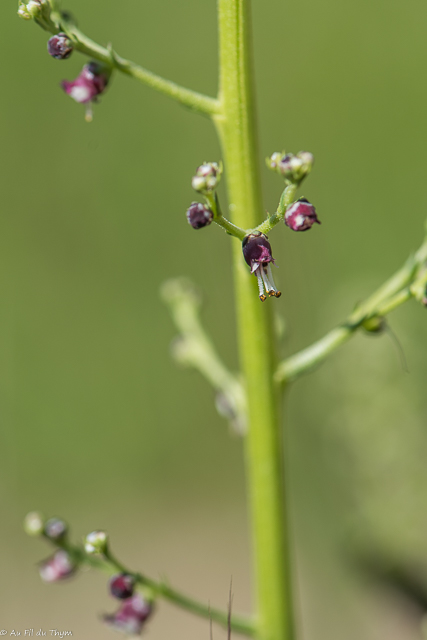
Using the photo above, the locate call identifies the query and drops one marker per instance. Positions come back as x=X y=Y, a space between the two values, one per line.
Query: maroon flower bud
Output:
x=60 y=46
x=257 y=253
x=301 y=215
x=57 y=567
x=89 y=84
x=131 y=616
x=122 y=586
x=55 y=529
x=199 y=215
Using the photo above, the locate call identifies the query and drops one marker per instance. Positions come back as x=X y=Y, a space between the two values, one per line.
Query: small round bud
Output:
x=34 y=524
x=23 y=12
x=199 y=215
x=207 y=177
x=96 y=542
x=301 y=215
x=122 y=586
x=376 y=324
x=274 y=160
x=57 y=567
x=60 y=47
x=55 y=529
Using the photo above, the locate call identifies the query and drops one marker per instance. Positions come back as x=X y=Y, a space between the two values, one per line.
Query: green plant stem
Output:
x=388 y=297
x=264 y=453
x=161 y=589
x=192 y=99
x=287 y=197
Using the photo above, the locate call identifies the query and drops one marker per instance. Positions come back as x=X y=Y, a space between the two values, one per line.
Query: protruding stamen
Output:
x=269 y=282
x=258 y=274
x=89 y=112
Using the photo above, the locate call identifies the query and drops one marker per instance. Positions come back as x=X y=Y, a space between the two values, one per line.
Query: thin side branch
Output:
x=403 y=285
x=192 y=99
x=194 y=348
x=110 y=565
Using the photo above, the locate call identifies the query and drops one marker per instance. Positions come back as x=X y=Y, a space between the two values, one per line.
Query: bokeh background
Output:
x=98 y=423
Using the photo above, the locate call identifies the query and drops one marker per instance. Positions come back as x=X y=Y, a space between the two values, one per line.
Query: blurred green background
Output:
x=98 y=424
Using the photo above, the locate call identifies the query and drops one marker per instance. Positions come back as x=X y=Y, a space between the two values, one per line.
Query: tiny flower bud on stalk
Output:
x=207 y=177
x=60 y=47
x=376 y=324
x=257 y=253
x=34 y=524
x=55 y=529
x=199 y=215
x=96 y=543
x=122 y=586
x=301 y=215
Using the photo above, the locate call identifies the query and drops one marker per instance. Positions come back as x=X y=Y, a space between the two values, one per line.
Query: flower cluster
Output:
x=293 y=168
x=134 y=609
x=93 y=78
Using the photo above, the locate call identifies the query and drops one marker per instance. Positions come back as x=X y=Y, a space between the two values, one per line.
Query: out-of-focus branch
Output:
x=410 y=281
x=193 y=348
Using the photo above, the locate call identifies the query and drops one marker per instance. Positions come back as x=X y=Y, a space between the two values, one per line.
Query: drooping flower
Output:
x=199 y=215
x=257 y=253
x=57 y=567
x=301 y=215
x=89 y=84
x=34 y=523
x=131 y=616
x=122 y=586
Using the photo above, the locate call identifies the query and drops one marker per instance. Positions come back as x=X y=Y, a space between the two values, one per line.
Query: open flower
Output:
x=131 y=616
x=257 y=253
x=89 y=84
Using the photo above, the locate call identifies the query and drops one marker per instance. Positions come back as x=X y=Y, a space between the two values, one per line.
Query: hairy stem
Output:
x=264 y=453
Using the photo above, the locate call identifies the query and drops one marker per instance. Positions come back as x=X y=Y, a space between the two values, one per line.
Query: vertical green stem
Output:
x=264 y=451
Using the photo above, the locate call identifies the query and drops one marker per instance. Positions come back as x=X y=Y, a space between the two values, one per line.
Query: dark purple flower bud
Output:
x=55 y=529
x=57 y=567
x=131 y=616
x=122 y=586
x=301 y=215
x=199 y=215
x=89 y=84
x=60 y=46
x=257 y=253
